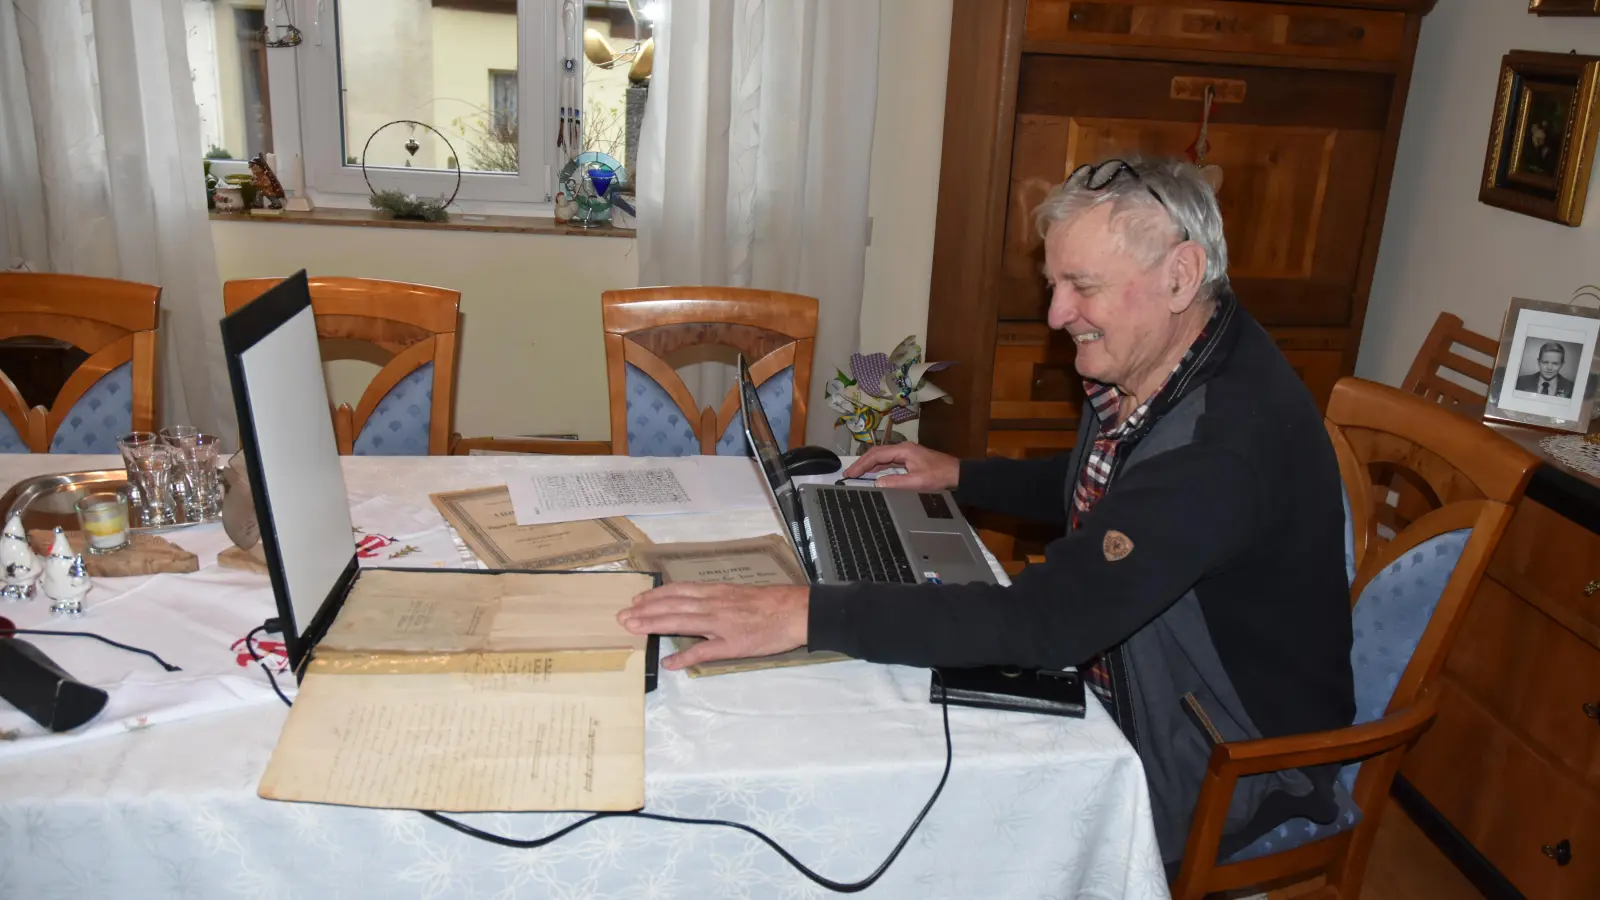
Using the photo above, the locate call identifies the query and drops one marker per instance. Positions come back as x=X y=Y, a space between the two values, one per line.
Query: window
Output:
x=416 y=88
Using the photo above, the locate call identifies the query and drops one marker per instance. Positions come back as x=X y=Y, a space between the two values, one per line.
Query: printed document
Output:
x=642 y=487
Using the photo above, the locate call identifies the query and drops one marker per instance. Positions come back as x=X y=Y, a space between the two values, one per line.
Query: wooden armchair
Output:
x=408 y=406
x=652 y=411
x=1408 y=595
x=110 y=393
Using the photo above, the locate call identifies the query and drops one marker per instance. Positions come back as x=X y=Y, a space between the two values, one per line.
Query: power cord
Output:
x=843 y=887
x=104 y=640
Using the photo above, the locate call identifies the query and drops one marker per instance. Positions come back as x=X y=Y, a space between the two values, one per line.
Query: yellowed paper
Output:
x=471 y=692
x=764 y=560
x=484 y=519
x=401 y=611
x=465 y=742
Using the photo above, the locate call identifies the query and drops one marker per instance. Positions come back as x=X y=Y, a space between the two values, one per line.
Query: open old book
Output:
x=471 y=692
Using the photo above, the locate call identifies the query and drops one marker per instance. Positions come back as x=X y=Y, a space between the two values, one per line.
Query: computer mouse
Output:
x=811 y=460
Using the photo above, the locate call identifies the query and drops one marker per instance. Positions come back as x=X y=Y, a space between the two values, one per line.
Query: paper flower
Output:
x=880 y=387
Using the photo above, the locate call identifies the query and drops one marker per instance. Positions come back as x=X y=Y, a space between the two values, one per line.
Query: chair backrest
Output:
x=652 y=411
x=1410 y=590
x=407 y=408
x=109 y=393
x=1441 y=352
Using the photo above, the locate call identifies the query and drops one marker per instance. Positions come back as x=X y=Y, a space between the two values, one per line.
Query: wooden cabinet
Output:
x=1513 y=760
x=1309 y=100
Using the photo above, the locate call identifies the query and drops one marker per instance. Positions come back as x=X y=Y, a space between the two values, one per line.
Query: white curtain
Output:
x=100 y=174
x=754 y=159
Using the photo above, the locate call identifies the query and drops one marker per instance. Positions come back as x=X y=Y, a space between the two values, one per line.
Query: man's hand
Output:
x=735 y=620
x=926 y=470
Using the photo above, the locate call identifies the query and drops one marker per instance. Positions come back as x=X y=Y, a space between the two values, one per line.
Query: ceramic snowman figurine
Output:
x=19 y=565
x=70 y=601
x=55 y=582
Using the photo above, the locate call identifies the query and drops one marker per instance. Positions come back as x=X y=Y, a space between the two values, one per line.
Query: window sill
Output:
x=364 y=218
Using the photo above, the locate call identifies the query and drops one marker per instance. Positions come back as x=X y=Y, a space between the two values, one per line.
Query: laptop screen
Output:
x=764 y=447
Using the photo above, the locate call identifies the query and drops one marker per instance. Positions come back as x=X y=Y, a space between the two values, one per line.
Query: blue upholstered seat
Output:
x=104 y=411
x=400 y=423
x=657 y=427
x=1388 y=621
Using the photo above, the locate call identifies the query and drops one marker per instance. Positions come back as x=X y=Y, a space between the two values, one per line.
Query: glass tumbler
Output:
x=205 y=480
x=154 y=467
x=181 y=440
x=130 y=444
x=103 y=517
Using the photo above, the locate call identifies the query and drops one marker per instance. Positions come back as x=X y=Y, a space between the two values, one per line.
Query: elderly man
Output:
x=1201 y=580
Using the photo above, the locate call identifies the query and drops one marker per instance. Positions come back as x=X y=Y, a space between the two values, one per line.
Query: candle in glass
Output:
x=104 y=518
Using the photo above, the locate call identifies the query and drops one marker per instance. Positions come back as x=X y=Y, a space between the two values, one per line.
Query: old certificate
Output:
x=484 y=519
x=472 y=692
x=764 y=560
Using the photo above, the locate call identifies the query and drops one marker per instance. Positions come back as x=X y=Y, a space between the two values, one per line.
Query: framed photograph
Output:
x=1542 y=135
x=1546 y=372
x=1564 y=7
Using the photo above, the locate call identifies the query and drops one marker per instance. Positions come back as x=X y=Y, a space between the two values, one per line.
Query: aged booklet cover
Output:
x=768 y=559
x=469 y=692
x=484 y=519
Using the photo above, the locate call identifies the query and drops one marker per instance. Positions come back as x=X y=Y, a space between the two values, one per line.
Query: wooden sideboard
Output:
x=1309 y=98
x=1507 y=780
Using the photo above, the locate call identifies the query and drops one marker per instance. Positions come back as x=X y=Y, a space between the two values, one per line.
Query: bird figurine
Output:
x=70 y=601
x=19 y=565
x=57 y=563
x=266 y=181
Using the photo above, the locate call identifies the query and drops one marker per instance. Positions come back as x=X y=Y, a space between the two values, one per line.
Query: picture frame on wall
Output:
x=1564 y=7
x=1547 y=370
x=1542 y=135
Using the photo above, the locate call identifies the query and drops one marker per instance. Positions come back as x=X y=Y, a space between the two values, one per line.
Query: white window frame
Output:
x=307 y=120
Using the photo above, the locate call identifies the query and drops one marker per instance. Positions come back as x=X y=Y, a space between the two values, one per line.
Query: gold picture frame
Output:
x=1564 y=7
x=1542 y=135
x=1547 y=371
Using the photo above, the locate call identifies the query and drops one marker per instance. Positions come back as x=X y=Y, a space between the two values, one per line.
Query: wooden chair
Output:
x=408 y=406
x=1401 y=498
x=1408 y=595
x=554 y=446
x=110 y=393
x=652 y=411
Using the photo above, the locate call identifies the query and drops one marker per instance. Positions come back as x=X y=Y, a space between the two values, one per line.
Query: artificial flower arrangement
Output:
x=881 y=390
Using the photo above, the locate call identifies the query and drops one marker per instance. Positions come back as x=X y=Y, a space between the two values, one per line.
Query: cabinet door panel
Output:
x=1298 y=156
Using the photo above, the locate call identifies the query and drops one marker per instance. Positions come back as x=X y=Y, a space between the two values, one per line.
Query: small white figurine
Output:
x=55 y=582
x=19 y=565
x=70 y=601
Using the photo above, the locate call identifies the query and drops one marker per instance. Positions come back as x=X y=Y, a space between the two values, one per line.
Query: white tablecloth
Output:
x=833 y=761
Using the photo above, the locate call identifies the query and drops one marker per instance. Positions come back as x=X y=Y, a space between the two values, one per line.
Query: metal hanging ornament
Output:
x=409 y=206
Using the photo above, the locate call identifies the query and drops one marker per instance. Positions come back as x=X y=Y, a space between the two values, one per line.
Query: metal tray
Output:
x=48 y=501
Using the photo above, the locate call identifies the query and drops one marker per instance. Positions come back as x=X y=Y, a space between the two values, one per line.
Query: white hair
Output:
x=1168 y=200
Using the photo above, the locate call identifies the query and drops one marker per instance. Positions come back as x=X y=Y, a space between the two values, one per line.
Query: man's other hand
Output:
x=735 y=620
x=926 y=470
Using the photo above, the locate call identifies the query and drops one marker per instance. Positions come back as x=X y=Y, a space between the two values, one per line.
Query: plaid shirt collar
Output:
x=1114 y=439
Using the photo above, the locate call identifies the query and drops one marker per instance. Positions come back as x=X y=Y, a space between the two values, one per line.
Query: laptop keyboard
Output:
x=861 y=535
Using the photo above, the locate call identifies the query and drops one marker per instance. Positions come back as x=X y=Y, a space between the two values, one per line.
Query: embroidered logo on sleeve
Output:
x=1116 y=545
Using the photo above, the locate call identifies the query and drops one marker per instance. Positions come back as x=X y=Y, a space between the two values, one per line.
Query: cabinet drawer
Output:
x=1222 y=26
x=1030 y=444
x=1533 y=674
x=1504 y=797
x=1550 y=561
x=1034 y=377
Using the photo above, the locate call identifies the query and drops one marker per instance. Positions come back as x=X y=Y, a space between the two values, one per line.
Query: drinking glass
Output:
x=204 y=479
x=181 y=440
x=153 y=466
x=129 y=444
x=103 y=517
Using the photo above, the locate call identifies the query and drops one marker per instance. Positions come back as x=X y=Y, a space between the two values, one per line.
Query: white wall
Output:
x=913 y=53
x=1442 y=250
x=531 y=357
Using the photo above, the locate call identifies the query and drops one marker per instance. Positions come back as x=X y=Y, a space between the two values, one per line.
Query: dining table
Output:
x=157 y=795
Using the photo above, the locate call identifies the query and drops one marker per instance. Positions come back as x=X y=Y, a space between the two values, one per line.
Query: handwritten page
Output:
x=486 y=522
x=465 y=742
x=471 y=692
x=768 y=559
x=636 y=487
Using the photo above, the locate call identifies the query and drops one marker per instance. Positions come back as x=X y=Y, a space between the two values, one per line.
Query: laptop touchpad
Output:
x=942 y=548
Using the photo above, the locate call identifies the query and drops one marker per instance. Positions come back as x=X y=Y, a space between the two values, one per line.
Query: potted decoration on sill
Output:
x=881 y=390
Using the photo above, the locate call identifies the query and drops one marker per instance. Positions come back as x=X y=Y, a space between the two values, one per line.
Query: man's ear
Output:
x=1186 y=270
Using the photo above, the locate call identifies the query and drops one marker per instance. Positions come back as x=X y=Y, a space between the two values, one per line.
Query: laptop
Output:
x=852 y=533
